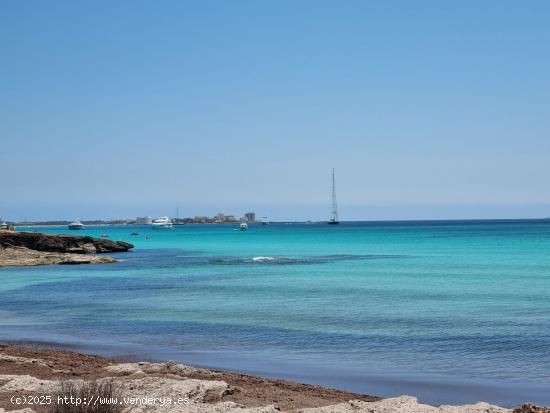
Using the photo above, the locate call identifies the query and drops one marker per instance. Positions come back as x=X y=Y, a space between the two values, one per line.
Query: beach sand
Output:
x=28 y=371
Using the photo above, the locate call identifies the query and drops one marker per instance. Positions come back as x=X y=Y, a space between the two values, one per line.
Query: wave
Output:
x=261 y=259
x=273 y=260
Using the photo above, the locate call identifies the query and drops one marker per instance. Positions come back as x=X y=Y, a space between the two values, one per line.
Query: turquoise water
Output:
x=448 y=311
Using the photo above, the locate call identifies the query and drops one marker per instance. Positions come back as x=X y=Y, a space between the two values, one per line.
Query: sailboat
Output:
x=334 y=213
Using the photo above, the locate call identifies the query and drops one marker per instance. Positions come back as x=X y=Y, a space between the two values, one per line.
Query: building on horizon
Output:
x=250 y=216
x=219 y=218
x=144 y=220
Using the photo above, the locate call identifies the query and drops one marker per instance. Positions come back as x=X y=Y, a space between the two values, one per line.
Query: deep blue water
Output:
x=447 y=311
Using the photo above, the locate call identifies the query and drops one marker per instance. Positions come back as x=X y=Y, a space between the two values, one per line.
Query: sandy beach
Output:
x=34 y=372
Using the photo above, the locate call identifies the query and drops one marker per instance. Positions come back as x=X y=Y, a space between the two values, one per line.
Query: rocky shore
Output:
x=41 y=372
x=33 y=248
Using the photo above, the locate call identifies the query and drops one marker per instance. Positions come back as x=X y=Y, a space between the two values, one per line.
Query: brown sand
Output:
x=247 y=390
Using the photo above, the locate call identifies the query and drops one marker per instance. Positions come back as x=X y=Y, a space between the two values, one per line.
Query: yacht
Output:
x=4 y=225
x=265 y=221
x=162 y=223
x=76 y=224
x=244 y=226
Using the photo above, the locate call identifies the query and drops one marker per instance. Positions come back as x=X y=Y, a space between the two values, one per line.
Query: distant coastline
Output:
x=211 y=220
x=219 y=218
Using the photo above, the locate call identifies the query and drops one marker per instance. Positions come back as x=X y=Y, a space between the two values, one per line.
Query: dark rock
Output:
x=75 y=244
x=531 y=408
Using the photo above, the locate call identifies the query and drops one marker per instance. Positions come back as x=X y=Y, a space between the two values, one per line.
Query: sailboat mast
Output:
x=334 y=218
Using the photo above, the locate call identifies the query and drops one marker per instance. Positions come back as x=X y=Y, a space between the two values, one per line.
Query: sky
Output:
x=426 y=109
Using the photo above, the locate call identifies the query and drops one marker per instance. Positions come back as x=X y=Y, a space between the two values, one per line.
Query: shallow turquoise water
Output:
x=450 y=311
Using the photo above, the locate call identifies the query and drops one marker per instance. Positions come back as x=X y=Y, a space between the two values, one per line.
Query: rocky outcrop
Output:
x=206 y=396
x=403 y=404
x=33 y=248
x=531 y=408
x=24 y=257
x=74 y=244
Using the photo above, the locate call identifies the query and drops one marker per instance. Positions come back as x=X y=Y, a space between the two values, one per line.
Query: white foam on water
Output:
x=263 y=258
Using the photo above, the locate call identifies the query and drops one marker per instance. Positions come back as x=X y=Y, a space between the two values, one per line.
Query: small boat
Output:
x=264 y=221
x=76 y=224
x=334 y=213
x=243 y=226
x=134 y=233
x=104 y=235
x=162 y=223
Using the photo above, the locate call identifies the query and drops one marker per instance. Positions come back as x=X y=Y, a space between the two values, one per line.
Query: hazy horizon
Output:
x=426 y=110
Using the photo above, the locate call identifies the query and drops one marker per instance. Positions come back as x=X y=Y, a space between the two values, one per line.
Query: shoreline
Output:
x=223 y=390
x=428 y=388
x=46 y=363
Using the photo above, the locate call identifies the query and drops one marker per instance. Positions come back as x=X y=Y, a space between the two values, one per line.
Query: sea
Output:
x=447 y=311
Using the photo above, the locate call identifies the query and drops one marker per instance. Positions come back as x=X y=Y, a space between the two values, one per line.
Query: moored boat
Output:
x=76 y=224
x=162 y=223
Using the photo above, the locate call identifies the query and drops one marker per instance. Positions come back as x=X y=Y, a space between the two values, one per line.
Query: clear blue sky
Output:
x=427 y=109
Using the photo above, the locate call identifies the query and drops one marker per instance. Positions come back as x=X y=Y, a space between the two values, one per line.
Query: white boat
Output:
x=76 y=224
x=265 y=221
x=244 y=226
x=162 y=223
x=4 y=225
